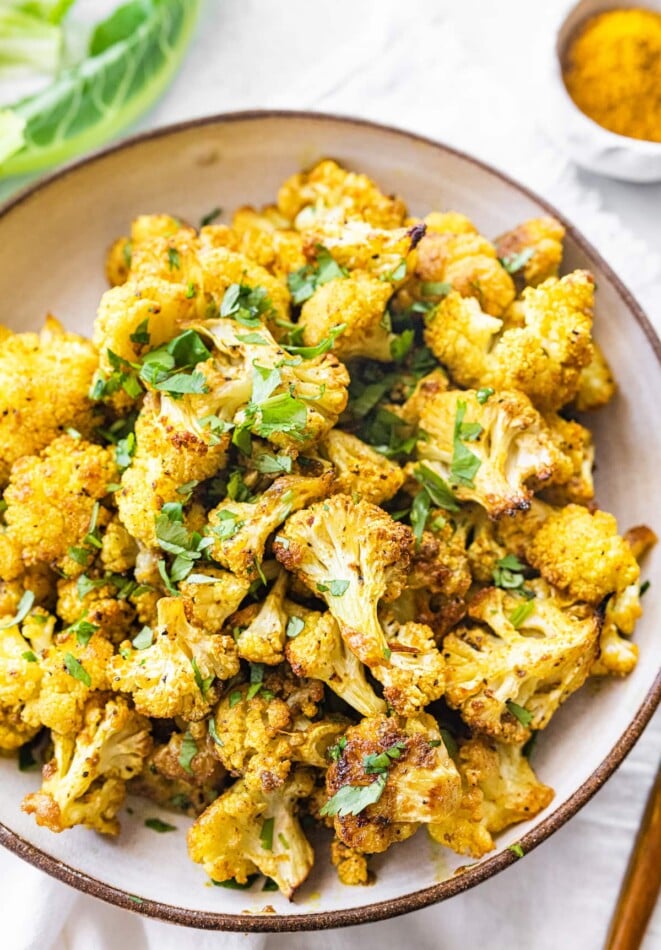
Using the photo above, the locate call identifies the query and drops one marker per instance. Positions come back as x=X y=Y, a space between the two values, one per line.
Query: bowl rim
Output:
x=474 y=874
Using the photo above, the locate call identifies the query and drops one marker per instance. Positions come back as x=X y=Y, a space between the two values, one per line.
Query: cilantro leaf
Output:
x=437 y=488
x=309 y=352
x=76 y=669
x=294 y=627
x=157 y=825
x=521 y=613
x=23 y=609
x=302 y=283
x=465 y=464
x=516 y=262
x=520 y=712
x=352 y=799
x=187 y=753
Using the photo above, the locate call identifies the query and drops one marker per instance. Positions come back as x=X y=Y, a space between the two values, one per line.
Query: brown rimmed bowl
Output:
x=54 y=237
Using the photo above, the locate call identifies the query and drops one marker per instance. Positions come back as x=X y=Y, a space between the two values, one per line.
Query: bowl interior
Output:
x=53 y=246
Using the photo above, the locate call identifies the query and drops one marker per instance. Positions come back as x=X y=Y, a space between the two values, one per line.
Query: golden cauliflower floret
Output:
x=241 y=529
x=85 y=782
x=596 y=386
x=359 y=303
x=353 y=555
x=70 y=672
x=415 y=673
x=209 y=601
x=533 y=249
x=359 y=469
x=20 y=671
x=118 y=261
x=572 y=480
x=580 y=552
x=351 y=865
x=247 y=831
x=178 y=674
x=315 y=649
x=439 y=579
x=262 y=639
x=167 y=456
x=543 y=358
x=358 y=246
x=51 y=497
x=14 y=731
x=390 y=775
x=329 y=188
x=266 y=239
x=499 y=789
x=510 y=670
x=53 y=363
x=182 y=774
x=155 y=307
x=118 y=548
x=468 y=263
x=487 y=451
x=220 y=268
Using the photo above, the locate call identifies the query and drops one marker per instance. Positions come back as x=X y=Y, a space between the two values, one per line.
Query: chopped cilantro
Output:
x=210 y=217
x=436 y=487
x=141 y=334
x=517 y=850
x=143 y=639
x=507 y=572
x=335 y=751
x=376 y=763
x=465 y=464
x=521 y=613
x=336 y=588
x=187 y=753
x=174 y=259
x=23 y=609
x=294 y=627
x=235 y=698
x=484 y=394
x=516 y=262
x=520 y=712
x=400 y=346
x=83 y=630
x=29 y=656
x=76 y=669
x=232 y=884
x=157 y=825
x=266 y=834
x=302 y=283
x=246 y=305
x=399 y=273
x=310 y=352
x=352 y=799
x=214 y=733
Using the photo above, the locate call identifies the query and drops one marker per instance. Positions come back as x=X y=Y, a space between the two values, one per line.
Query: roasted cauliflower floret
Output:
x=358 y=246
x=468 y=263
x=357 y=302
x=85 y=782
x=318 y=651
x=328 y=189
x=572 y=479
x=266 y=239
x=51 y=498
x=209 y=601
x=263 y=639
x=118 y=548
x=415 y=673
x=182 y=774
x=488 y=451
x=241 y=529
x=499 y=789
x=265 y=726
x=177 y=674
x=596 y=386
x=167 y=456
x=509 y=672
x=352 y=554
x=246 y=831
x=533 y=249
x=581 y=553
x=543 y=358
x=70 y=671
x=55 y=363
x=390 y=776
x=359 y=469
x=350 y=864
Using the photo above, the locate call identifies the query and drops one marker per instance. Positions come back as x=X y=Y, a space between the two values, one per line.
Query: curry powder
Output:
x=613 y=72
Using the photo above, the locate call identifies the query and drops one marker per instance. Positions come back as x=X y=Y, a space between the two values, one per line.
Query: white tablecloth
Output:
x=464 y=73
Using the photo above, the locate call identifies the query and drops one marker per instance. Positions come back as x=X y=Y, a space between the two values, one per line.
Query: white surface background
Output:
x=466 y=73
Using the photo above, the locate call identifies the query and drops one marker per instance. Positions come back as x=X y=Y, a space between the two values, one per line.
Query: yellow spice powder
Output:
x=613 y=72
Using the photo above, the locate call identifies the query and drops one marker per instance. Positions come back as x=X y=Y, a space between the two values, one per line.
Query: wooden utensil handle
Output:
x=640 y=887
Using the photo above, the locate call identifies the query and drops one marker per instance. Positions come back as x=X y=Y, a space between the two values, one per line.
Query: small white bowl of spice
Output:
x=604 y=101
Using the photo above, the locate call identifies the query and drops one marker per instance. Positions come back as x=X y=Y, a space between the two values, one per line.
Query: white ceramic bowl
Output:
x=584 y=140
x=54 y=238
